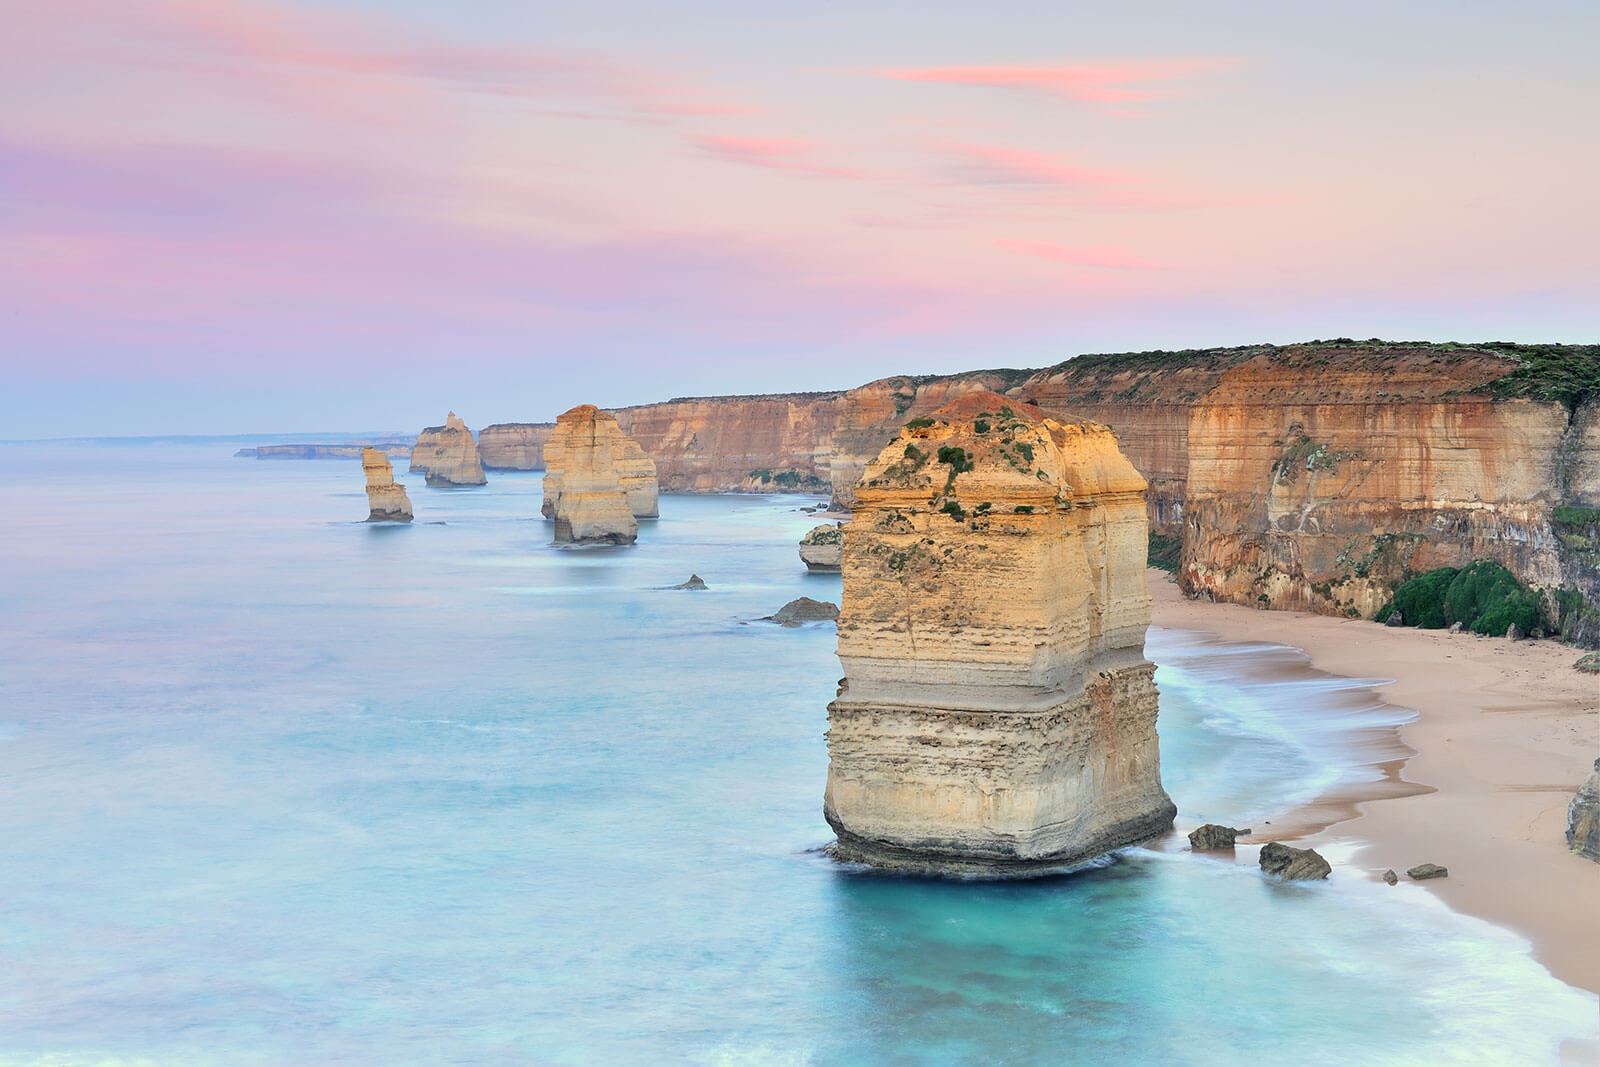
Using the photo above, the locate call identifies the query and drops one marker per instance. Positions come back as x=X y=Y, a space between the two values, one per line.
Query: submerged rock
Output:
x=1212 y=838
x=583 y=492
x=386 y=501
x=805 y=609
x=1293 y=864
x=822 y=548
x=998 y=716
x=694 y=582
x=1583 y=817
x=448 y=454
x=1424 y=871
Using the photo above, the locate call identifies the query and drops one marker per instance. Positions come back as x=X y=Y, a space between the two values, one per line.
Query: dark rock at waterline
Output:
x=1395 y=619
x=1293 y=864
x=1211 y=837
x=694 y=582
x=1390 y=877
x=1583 y=818
x=805 y=609
x=1423 y=871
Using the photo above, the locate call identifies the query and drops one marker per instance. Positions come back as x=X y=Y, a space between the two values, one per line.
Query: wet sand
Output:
x=1505 y=732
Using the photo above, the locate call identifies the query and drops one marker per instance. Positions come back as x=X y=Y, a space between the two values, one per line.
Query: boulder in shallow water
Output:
x=805 y=609
x=1293 y=864
x=694 y=582
x=1423 y=871
x=1212 y=838
x=1390 y=877
x=1583 y=817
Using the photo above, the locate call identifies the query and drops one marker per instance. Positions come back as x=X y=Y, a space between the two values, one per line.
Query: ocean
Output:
x=281 y=787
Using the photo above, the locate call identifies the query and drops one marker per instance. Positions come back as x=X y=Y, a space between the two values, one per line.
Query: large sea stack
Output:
x=448 y=455
x=583 y=490
x=386 y=501
x=997 y=715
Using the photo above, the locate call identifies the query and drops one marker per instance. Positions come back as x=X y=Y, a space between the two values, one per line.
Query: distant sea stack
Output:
x=583 y=490
x=386 y=501
x=997 y=715
x=635 y=471
x=448 y=455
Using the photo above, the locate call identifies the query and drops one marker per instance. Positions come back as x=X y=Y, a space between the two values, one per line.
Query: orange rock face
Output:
x=584 y=490
x=448 y=455
x=997 y=714
x=386 y=501
x=514 y=446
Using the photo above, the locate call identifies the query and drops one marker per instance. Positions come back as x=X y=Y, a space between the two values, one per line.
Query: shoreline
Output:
x=1500 y=729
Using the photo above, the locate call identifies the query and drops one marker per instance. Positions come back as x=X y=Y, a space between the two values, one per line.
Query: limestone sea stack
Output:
x=822 y=549
x=635 y=471
x=583 y=490
x=997 y=715
x=448 y=455
x=386 y=501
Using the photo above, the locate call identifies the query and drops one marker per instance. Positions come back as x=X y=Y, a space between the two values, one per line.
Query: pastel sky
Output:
x=267 y=215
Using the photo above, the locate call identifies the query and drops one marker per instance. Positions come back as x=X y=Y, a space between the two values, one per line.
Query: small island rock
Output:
x=1212 y=837
x=1293 y=864
x=386 y=501
x=694 y=582
x=822 y=549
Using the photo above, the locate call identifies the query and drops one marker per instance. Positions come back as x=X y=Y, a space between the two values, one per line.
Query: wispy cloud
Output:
x=1102 y=256
x=1088 y=83
x=771 y=152
x=986 y=165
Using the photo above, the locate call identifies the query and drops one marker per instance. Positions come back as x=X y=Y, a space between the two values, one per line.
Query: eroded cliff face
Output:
x=514 y=446
x=583 y=490
x=448 y=455
x=386 y=501
x=1319 y=476
x=774 y=443
x=997 y=713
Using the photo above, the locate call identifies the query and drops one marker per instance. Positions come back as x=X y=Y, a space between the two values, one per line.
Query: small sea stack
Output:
x=822 y=548
x=583 y=492
x=448 y=455
x=386 y=501
x=997 y=715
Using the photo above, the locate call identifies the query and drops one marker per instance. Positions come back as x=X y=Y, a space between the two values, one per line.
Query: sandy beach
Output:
x=1505 y=732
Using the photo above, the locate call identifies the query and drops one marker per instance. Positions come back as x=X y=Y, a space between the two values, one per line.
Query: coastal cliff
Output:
x=583 y=490
x=1320 y=476
x=448 y=455
x=386 y=501
x=997 y=714
x=514 y=446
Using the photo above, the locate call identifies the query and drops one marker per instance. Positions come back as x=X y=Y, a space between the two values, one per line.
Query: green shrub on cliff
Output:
x=1566 y=374
x=1484 y=597
x=1166 y=552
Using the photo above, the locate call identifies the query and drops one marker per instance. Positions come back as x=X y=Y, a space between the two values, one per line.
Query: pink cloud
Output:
x=771 y=152
x=1088 y=83
x=1016 y=166
x=1103 y=256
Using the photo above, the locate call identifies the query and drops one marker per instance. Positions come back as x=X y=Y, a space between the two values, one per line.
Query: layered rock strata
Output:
x=822 y=549
x=386 y=501
x=514 y=446
x=997 y=714
x=635 y=471
x=583 y=490
x=448 y=455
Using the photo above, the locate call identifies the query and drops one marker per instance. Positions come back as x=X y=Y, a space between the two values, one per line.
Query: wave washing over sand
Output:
x=283 y=787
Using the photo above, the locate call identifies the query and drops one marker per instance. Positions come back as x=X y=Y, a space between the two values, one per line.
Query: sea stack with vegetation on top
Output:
x=997 y=715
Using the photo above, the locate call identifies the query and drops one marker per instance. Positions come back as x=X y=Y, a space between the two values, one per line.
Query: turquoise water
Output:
x=281 y=787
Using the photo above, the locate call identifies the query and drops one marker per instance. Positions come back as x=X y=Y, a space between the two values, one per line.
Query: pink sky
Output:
x=263 y=215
